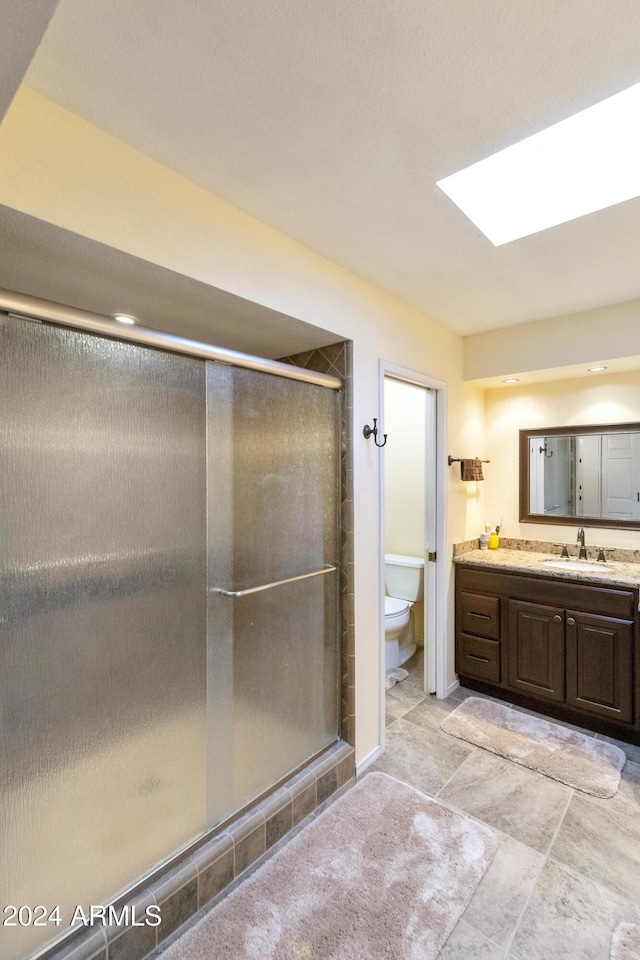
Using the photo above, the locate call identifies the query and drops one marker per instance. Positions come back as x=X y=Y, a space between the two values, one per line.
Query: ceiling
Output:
x=45 y=261
x=333 y=121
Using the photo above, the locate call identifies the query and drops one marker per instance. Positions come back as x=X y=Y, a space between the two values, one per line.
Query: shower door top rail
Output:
x=276 y=583
x=25 y=307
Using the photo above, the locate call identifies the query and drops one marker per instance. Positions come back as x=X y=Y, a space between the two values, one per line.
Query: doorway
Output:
x=413 y=511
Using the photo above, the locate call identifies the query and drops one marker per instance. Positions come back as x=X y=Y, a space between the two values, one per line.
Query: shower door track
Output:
x=276 y=583
x=32 y=308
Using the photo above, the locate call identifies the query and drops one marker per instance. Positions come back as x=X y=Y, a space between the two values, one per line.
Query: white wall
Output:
x=55 y=166
x=602 y=398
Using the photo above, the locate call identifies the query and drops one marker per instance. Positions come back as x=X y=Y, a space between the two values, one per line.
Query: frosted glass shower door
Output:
x=102 y=617
x=273 y=472
x=168 y=606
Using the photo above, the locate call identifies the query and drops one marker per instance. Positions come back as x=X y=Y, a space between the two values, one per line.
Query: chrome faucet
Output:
x=582 y=555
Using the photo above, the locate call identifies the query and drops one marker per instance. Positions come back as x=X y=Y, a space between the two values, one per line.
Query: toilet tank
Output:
x=404 y=577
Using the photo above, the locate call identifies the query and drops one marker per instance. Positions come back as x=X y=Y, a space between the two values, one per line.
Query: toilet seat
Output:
x=394 y=607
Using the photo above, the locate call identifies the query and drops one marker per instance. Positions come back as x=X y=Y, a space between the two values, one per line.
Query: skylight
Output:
x=582 y=164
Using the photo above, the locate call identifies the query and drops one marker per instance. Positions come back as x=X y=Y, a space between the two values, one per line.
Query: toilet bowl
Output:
x=404 y=579
x=398 y=632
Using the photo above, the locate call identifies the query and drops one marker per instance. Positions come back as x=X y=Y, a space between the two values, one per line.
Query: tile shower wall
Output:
x=337 y=359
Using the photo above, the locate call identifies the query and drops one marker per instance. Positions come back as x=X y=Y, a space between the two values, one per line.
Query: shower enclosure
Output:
x=169 y=619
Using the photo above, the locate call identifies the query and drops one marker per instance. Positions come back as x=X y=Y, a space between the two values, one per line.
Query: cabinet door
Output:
x=599 y=665
x=536 y=649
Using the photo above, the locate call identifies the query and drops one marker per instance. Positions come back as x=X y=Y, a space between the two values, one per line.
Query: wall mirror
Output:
x=590 y=474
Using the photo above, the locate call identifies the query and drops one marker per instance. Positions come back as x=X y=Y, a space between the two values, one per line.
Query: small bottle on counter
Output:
x=484 y=541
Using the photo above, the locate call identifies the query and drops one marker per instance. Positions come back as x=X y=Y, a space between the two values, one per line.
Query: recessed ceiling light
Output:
x=585 y=163
x=511 y=380
x=124 y=318
x=596 y=369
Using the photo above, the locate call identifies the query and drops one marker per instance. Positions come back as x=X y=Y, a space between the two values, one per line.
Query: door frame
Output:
x=435 y=573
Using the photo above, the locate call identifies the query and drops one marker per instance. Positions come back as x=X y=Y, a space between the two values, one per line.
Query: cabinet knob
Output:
x=571 y=620
x=558 y=618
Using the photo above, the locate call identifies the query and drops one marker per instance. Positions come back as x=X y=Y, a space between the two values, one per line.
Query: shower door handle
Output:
x=276 y=583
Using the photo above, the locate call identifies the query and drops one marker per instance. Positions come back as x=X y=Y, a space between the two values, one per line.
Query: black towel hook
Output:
x=373 y=431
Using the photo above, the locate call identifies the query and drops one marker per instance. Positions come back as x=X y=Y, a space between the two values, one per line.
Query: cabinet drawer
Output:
x=477 y=657
x=480 y=615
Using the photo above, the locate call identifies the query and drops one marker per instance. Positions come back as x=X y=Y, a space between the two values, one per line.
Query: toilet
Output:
x=404 y=582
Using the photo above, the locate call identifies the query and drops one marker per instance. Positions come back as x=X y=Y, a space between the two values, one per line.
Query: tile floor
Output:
x=567 y=868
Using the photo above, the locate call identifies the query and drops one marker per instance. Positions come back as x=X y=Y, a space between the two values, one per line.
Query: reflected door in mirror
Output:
x=590 y=473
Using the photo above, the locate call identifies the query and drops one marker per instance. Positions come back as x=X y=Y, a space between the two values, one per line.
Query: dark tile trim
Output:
x=305 y=802
x=134 y=944
x=279 y=817
x=91 y=946
x=337 y=358
x=213 y=878
x=178 y=908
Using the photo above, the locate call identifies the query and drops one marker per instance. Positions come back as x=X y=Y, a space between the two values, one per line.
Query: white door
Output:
x=430 y=586
x=589 y=492
x=536 y=474
x=410 y=516
x=620 y=476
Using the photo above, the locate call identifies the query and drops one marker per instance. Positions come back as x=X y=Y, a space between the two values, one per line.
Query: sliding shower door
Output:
x=169 y=606
x=103 y=617
x=273 y=585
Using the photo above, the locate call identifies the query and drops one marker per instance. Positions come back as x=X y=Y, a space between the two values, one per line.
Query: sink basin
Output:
x=586 y=566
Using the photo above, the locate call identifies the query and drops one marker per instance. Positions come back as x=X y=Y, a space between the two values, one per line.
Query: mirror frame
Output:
x=525 y=515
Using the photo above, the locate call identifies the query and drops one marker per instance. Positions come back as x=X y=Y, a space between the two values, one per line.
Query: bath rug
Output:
x=395 y=676
x=585 y=763
x=384 y=872
x=625 y=943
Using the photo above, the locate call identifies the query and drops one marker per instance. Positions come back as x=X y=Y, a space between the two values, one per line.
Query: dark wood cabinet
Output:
x=536 y=649
x=559 y=646
x=480 y=615
x=478 y=647
x=600 y=665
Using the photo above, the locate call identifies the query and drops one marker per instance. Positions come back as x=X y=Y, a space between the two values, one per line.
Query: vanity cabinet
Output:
x=560 y=646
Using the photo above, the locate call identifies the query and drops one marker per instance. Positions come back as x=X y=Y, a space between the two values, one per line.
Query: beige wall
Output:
x=578 y=338
x=602 y=398
x=55 y=166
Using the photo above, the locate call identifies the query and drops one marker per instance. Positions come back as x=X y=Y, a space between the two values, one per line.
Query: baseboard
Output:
x=452 y=686
x=368 y=760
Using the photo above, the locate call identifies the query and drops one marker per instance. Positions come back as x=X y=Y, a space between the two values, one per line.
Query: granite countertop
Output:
x=620 y=573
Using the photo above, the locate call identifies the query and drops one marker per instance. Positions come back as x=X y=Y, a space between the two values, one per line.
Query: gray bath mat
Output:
x=590 y=765
x=384 y=872
x=625 y=943
x=395 y=676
